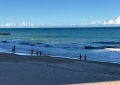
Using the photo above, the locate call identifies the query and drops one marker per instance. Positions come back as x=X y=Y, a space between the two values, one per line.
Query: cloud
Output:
x=99 y=22
x=26 y=24
x=72 y=24
x=9 y=25
x=110 y=22
x=104 y=23
x=113 y=22
x=43 y=24
x=84 y=24
x=15 y=25
x=117 y=21
x=93 y=23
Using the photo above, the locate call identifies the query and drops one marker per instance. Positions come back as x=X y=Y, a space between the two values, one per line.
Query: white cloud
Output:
x=110 y=22
x=104 y=22
x=14 y=24
x=26 y=24
x=53 y=24
x=84 y=24
x=43 y=24
x=113 y=22
x=72 y=24
x=32 y=24
x=93 y=23
x=99 y=22
x=9 y=25
x=117 y=21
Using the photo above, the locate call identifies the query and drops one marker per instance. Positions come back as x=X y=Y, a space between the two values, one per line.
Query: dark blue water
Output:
x=99 y=43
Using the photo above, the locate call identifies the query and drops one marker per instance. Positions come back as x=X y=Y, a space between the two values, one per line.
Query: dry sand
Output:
x=31 y=70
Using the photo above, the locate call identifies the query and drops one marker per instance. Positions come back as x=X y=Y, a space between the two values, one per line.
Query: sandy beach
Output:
x=45 y=70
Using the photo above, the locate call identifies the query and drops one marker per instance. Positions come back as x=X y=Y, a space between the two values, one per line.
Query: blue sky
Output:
x=39 y=13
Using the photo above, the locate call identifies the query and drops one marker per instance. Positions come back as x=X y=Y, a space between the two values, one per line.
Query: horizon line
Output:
x=63 y=27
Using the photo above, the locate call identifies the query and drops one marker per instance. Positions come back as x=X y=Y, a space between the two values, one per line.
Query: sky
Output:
x=51 y=13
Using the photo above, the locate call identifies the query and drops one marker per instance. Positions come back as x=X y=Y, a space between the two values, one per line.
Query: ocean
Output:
x=98 y=43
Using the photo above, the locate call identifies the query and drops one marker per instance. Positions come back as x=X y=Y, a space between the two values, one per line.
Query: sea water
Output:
x=98 y=43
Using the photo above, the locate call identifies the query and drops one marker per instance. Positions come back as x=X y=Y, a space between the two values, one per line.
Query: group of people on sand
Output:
x=37 y=53
x=84 y=57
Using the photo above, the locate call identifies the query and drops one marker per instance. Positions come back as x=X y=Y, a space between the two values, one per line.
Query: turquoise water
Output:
x=99 y=43
x=64 y=35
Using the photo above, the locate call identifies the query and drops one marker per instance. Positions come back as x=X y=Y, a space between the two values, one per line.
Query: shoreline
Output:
x=11 y=57
x=46 y=70
x=66 y=58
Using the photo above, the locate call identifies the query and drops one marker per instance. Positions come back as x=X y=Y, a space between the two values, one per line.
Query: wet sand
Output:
x=46 y=70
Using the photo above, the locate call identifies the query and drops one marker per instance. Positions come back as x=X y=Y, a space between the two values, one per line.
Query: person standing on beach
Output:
x=80 y=57
x=37 y=53
x=13 y=49
x=40 y=53
x=85 y=57
x=31 y=52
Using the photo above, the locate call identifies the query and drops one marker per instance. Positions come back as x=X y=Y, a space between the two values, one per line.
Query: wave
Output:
x=100 y=47
x=93 y=45
x=27 y=43
x=107 y=42
x=4 y=42
x=113 y=49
